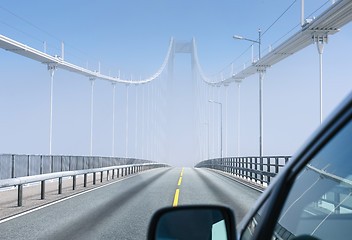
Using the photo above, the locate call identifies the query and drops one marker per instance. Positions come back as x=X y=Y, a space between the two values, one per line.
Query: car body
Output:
x=310 y=199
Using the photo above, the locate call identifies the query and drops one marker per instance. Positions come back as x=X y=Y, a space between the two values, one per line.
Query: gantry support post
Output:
x=226 y=108
x=136 y=125
x=91 y=114
x=213 y=97
x=320 y=46
x=320 y=38
x=113 y=119
x=126 y=152
x=143 y=113
x=51 y=67
x=238 y=81
x=219 y=121
x=148 y=122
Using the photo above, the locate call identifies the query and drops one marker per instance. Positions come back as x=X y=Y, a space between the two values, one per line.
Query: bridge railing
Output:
x=256 y=169
x=14 y=166
x=119 y=170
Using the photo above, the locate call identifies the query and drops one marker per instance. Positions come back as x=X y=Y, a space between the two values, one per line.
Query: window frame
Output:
x=278 y=191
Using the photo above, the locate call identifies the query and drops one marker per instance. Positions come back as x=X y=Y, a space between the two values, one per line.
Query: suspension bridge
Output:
x=99 y=193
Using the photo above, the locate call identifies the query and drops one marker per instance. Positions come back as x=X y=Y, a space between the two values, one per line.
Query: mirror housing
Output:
x=193 y=222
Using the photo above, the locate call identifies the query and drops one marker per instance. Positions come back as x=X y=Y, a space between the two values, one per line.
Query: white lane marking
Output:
x=60 y=200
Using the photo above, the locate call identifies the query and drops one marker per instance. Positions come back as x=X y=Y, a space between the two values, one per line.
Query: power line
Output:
x=29 y=23
x=286 y=34
x=299 y=23
x=319 y=8
x=29 y=35
x=239 y=56
x=42 y=30
x=279 y=17
x=234 y=60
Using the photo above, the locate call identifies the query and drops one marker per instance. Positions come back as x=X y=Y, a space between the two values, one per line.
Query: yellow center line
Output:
x=176 y=198
x=177 y=191
x=179 y=181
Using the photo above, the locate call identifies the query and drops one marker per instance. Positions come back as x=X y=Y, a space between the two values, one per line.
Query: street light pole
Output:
x=260 y=41
x=261 y=76
x=261 y=72
x=212 y=101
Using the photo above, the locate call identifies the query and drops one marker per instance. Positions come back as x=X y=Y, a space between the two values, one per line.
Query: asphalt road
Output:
x=122 y=209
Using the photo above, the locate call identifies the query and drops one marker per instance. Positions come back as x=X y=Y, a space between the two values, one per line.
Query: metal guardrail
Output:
x=122 y=169
x=14 y=165
x=258 y=169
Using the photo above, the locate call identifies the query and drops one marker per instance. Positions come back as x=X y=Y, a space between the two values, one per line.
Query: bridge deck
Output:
x=123 y=209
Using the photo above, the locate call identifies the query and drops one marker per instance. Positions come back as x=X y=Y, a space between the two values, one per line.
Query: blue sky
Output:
x=133 y=37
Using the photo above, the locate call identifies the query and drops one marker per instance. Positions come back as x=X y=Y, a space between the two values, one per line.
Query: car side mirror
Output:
x=201 y=222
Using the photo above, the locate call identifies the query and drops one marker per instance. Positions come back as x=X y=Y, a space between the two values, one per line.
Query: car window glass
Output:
x=320 y=203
